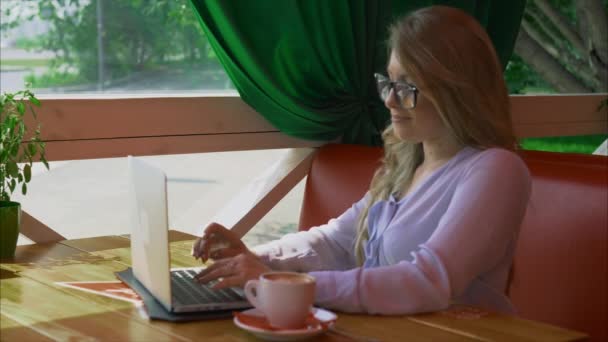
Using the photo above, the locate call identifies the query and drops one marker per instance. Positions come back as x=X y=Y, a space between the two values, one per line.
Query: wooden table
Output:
x=34 y=308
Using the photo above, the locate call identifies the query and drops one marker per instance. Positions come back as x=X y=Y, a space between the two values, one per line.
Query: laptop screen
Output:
x=149 y=228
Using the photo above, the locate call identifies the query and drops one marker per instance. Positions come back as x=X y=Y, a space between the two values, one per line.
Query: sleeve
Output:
x=326 y=247
x=472 y=237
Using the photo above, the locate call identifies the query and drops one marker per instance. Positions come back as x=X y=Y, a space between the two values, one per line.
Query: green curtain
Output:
x=307 y=65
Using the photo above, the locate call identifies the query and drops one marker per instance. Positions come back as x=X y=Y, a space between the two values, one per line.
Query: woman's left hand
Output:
x=234 y=271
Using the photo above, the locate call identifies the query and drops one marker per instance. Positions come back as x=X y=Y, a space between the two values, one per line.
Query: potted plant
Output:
x=16 y=159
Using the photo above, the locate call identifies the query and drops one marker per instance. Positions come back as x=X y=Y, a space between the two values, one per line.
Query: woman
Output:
x=440 y=221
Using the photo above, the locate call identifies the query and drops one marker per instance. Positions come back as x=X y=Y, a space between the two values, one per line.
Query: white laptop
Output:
x=175 y=289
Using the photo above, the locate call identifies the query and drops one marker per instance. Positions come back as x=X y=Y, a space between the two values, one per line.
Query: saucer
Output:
x=253 y=320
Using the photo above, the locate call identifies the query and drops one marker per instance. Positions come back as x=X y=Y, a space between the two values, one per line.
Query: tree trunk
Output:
x=593 y=22
x=595 y=17
x=544 y=26
x=548 y=68
x=582 y=70
x=562 y=24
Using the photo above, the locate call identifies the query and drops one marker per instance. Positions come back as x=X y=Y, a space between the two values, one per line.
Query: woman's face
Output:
x=422 y=123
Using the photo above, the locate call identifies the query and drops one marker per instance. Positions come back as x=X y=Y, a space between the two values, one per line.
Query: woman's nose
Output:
x=391 y=100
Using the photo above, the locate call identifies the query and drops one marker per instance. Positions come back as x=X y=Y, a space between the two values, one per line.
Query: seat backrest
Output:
x=560 y=267
x=339 y=176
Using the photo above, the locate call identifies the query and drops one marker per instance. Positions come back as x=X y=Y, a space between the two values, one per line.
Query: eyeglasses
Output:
x=406 y=93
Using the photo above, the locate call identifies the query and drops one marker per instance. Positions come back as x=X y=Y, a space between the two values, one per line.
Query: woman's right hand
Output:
x=218 y=242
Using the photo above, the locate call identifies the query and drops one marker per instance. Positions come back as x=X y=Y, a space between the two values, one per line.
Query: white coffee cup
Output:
x=285 y=298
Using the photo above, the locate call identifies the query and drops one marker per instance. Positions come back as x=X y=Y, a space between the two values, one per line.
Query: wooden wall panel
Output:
x=82 y=128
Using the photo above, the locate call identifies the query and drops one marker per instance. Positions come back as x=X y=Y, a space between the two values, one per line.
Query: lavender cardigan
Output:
x=449 y=240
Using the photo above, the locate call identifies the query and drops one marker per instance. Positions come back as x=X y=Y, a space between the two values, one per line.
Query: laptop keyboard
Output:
x=185 y=290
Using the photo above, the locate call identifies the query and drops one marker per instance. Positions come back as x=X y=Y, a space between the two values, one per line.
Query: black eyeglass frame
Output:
x=382 y=82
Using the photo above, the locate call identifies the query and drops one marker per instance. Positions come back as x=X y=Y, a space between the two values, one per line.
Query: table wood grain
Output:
x=34 y=308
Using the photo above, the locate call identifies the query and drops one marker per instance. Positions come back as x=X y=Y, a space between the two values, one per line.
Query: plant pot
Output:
x=10 y=220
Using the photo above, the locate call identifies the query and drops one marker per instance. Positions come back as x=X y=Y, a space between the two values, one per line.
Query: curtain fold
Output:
x=307 y=65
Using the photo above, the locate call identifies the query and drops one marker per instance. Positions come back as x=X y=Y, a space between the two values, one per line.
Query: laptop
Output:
x=175 y=289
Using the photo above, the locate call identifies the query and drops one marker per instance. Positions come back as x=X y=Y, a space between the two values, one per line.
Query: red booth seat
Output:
x=560 y=272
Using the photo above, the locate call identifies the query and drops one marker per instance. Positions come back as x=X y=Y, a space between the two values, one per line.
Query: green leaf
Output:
x=34 y=100
x=32 y=148
x=27 y=172
x=15 y=150
x=24 y=188
x=11 y=121
x=12 y=169
x=12 y=185
x=46 y=164
x=20 y=107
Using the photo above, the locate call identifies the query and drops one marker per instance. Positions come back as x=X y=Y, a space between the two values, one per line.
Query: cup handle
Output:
x=251 y=291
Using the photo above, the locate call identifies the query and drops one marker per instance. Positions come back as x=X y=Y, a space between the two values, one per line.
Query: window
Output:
x=558 y=51
x=199 y=186
x=110 y=46
x=127 y=48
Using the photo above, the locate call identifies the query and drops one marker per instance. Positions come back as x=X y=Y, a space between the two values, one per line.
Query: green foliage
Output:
x=54 y=78
x=138 y=36
x=578 y=144
x=520 y=78
x=25 y=63
x=13 y=151
x=566 y=8
x=36 y=43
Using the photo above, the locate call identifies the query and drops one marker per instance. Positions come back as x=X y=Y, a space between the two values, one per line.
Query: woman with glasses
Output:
x=440 y=221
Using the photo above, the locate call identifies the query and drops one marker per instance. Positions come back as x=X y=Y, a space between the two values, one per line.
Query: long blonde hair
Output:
x=449 y=55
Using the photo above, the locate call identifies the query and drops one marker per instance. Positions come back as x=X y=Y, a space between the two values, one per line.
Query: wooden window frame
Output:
x=84 y=128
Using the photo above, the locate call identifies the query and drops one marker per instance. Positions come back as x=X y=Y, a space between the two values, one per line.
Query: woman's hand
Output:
x=218 y=243
x=233 y=271
x=234 y=264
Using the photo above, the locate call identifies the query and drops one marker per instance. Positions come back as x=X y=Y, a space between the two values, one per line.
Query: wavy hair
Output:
x=450 y=56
